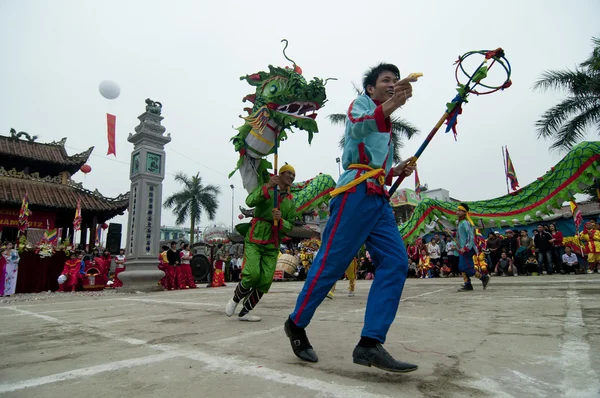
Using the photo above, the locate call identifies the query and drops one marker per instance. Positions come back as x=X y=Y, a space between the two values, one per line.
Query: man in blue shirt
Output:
x=360 y=213
x=467 y=249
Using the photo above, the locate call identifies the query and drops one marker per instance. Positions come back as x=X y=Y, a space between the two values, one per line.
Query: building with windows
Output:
x=176 y=233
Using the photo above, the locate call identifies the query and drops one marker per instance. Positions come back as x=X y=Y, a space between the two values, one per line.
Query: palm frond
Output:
x=209 y=204
x=556 y=80
x=553 y=119
x=573 y=131
x=567 y=121
x=358 y=90
x=338 y=119
x=181 y=214
x=403 y=127
x=183 y=178
x=176 y=199
x=342 y=141
x=593 y=62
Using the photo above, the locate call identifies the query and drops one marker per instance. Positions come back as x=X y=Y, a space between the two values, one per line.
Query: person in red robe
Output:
x=186 y=280
x=218 y=276
x=70 y=275
x=172 y=269
x=119 y=267
x=2 y=274
x=103 y=263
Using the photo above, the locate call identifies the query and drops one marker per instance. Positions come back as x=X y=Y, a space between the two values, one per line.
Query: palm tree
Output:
x=566 y=122
x=400 y=129
x=192 y=200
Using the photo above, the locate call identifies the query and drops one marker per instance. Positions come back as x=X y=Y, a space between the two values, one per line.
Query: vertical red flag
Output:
x=111 y=121
x=24 y=214
x=510 y=172
x=77 y=220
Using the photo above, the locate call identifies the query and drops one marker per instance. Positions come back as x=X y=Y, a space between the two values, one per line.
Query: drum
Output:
x=288 y=264
x=200 y=267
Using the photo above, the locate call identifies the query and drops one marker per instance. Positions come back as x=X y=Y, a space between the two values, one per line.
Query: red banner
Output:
x=37 y=219
x=511 y=174
x=111 y=121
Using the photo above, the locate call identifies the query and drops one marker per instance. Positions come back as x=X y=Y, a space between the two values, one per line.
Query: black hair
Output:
x=185 y=246
x=165 y=247
x=371 y=76
x=464 y=205
x=173 y=243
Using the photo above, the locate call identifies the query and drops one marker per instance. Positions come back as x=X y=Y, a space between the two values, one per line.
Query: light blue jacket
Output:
x=465 y=235
x=368 y=140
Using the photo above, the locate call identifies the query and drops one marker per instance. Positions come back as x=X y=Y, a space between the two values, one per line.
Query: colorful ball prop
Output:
x=215 y=235
x=109 y=89
x=241 y=216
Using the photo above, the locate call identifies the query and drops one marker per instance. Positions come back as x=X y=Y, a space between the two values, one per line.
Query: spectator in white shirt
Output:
x=433 y=249
x=569 y=261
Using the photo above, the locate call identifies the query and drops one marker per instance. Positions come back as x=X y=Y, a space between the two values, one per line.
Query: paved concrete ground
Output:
x=523 y=337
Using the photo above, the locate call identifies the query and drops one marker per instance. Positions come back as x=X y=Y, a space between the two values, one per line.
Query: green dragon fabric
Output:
x=576 y=171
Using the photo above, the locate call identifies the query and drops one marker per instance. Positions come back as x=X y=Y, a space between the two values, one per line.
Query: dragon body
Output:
x=575 y=172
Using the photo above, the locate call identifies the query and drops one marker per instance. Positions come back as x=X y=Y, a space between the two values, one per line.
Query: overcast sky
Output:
x=189 y=55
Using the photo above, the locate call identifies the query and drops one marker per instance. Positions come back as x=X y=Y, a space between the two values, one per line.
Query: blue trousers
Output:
x=466 y=264
x=357 y=218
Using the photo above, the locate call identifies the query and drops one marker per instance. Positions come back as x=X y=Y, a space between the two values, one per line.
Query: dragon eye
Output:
x=273 y=89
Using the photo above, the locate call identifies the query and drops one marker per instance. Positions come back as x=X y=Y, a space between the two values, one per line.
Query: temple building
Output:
x=44 y=171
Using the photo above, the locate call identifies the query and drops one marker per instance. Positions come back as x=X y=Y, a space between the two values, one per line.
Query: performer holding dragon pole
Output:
x=359 y=213
x=261 y=246
x=283 y=99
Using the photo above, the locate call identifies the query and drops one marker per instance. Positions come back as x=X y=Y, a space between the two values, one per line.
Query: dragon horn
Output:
x=286 y=57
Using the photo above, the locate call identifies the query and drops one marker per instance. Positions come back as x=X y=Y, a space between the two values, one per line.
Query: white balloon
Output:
x=109 y=89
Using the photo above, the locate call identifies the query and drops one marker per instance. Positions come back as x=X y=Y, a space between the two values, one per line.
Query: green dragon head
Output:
x=283 y=99
x=284 y=96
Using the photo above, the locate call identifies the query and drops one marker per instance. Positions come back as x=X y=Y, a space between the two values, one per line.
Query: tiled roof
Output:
x=52 y=153
x=60 y=196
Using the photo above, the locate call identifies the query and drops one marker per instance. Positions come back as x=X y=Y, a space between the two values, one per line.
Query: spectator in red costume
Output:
x=70 y=275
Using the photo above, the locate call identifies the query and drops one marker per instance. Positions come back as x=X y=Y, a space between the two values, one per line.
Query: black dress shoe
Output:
x=299 y=342
x=466 y=288
x=377 y=356
x=485 y=280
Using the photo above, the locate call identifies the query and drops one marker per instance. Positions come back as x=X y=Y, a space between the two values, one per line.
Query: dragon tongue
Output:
x=312 y=116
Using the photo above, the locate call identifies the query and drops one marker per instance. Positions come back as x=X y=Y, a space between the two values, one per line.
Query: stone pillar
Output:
x=145 y=202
